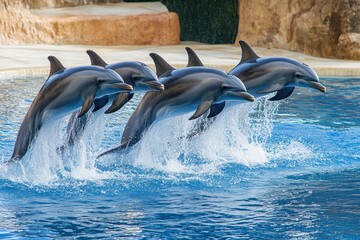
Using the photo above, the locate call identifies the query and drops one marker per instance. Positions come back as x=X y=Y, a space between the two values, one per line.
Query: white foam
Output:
x=238 y=136
x=293 y=151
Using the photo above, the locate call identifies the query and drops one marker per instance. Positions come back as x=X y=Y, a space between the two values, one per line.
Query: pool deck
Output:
x=24 y=60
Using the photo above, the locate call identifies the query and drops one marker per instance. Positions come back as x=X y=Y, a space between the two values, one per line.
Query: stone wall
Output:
x=316 y=27
x=18 y=25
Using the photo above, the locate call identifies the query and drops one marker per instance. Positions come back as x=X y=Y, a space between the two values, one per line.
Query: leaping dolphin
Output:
x=185 y=90
x=137 y=74
x=65 y=91
x=262 y=76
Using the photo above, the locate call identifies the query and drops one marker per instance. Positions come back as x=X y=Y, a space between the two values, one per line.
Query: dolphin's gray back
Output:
x=261 y=72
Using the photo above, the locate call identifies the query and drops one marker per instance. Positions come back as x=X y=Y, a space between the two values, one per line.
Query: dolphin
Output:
x=65 y=91
x=263 y=76
x=186 y=89
x=137 y=74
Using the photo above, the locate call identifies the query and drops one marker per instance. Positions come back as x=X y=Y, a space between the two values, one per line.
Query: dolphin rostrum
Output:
x=137 y=74
x=186 y=89
x=64 y=91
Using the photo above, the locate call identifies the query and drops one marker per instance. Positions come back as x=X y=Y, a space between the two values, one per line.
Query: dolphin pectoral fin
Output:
x=100 y=103
x=282 y=94
x=272 y=88
x=119 y=101
x=202 y=108
x=215 y=109
x=86 y=105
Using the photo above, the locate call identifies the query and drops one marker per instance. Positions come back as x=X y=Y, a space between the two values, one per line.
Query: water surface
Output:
x=264 y=170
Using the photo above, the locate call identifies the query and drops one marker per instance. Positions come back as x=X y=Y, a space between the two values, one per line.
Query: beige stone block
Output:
x=142 y=29
x=19 y=26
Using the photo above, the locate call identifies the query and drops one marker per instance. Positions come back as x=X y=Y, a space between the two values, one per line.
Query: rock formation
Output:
x=317 y=27
x=18 y=25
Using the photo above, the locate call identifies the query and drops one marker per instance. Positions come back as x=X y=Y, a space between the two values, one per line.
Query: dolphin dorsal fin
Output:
x=247 y=52
x=161 y=65
x=55 y=65
x=95 y=59
x=193 y=59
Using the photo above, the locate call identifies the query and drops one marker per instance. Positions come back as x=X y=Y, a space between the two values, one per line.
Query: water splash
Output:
x=238 y=136
x=45 y=165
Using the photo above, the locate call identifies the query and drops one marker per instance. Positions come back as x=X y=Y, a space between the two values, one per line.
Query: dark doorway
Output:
x=207 y=21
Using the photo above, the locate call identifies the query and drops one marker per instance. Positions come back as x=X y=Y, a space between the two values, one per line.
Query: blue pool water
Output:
x=264 y=170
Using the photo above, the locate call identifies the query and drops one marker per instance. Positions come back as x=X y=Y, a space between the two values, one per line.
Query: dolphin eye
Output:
x=226 y=87
x=297 y=75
